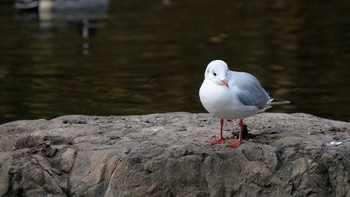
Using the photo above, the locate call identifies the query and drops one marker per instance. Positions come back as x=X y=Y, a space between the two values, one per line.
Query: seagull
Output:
x=232 y=95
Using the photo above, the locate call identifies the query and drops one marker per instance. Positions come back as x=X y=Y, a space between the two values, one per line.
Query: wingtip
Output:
x=279 y=103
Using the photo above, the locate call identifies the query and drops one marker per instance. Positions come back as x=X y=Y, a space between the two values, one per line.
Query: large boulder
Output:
x=166 y=155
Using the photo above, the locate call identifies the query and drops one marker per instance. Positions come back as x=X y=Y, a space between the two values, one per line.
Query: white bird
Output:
x=232 y=95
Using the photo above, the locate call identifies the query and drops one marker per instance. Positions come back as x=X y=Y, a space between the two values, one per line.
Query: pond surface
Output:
x=142 y=57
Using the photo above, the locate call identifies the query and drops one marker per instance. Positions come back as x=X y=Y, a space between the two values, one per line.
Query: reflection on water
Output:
x=147 y=57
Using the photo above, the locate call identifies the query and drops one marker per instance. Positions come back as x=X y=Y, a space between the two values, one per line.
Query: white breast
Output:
x=221 y=101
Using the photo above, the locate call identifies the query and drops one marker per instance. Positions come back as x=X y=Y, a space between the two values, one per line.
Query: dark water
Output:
x=145 y=57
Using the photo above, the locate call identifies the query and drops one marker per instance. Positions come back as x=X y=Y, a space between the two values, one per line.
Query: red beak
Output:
x=224 y=81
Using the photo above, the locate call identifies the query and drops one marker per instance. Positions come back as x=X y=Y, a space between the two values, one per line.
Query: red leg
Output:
x=221 y=139
x=238 y=142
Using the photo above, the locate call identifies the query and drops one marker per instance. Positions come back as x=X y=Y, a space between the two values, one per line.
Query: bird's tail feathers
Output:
x=266 y=107
x=279 y=102
x=272 y=101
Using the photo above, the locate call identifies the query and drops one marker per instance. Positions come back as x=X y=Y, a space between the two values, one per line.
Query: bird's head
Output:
x=217 y=72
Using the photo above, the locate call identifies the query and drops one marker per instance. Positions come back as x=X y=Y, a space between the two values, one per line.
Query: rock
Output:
x=166 y=155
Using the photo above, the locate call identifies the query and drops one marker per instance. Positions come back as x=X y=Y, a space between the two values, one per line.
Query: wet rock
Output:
x=166 y=155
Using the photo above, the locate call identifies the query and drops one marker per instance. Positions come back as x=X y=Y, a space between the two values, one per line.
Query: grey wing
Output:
x=250 y=92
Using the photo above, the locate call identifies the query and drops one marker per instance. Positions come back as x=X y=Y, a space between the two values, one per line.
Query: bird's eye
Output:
x=214 y=74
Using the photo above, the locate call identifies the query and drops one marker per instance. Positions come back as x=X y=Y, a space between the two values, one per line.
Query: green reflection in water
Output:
x=146 y=57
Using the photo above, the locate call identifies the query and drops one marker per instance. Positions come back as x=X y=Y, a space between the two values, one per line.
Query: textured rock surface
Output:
x=166 y=155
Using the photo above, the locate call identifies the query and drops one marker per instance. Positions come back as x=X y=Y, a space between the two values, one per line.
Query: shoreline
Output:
x=166 y=154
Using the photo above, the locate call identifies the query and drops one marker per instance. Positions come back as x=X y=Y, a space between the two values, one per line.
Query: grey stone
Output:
x=166 y=155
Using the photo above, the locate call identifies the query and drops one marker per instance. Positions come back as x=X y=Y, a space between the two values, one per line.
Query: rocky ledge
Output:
x=166 y=155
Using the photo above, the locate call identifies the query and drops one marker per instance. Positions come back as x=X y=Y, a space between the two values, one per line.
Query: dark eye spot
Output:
x=214 y=74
